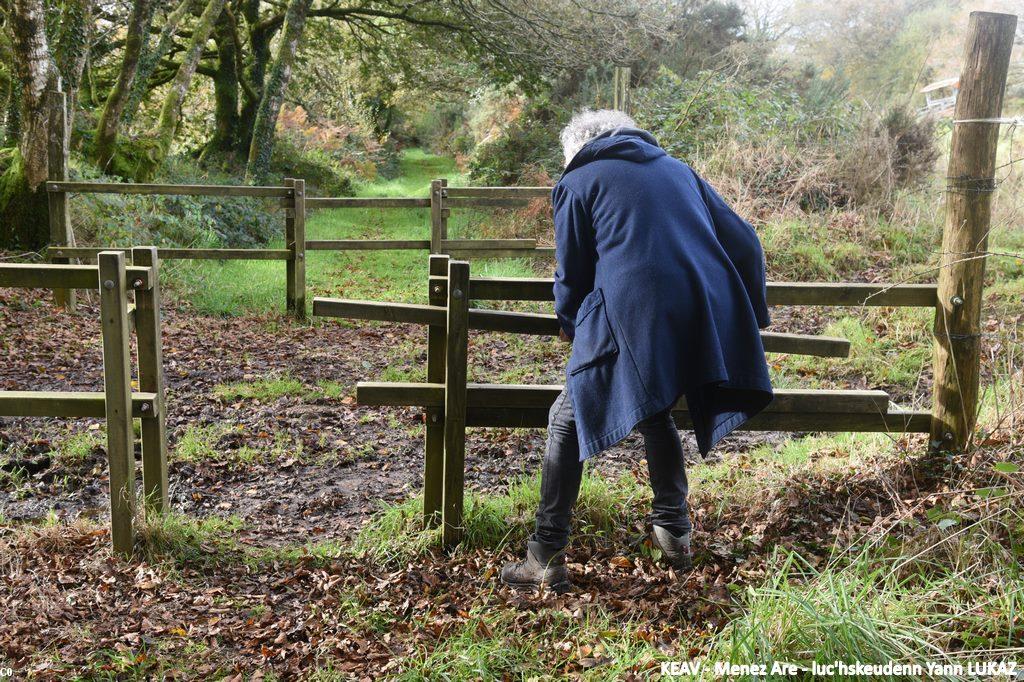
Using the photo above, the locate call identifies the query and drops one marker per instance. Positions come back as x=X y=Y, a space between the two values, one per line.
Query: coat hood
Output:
x=631 y=144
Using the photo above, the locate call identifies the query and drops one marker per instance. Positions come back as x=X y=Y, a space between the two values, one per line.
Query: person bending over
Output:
x=660 y=288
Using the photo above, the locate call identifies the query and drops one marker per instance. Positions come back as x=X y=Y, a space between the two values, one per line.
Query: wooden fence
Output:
x=292 y=198
x=117 y=402
x=451 y=404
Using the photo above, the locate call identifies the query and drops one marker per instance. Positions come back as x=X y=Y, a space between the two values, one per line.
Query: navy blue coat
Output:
x=661 y=286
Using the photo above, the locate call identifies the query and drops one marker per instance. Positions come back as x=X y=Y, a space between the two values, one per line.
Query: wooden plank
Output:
x=491 y=244
x=180 y=254
x=71 y=404
x=779 y=293
x=539 y=252
x=148 y=331
x=385 y=312
x=367 y=202
x=117 y=377
x=298 y=247
x=895 y=421
x=174 y=190
x=289 y=243
x=456 y=359
x=57 y=158
x=433 y=460
x=540 y=324
x=805 y=344
x=367 y=244
x=851 y=294
x=970 y=182
x=500 y=192
x=541 y=396
x=487 y=202
x=52 y=276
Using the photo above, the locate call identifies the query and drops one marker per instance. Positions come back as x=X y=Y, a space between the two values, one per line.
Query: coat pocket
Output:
x=594 y=340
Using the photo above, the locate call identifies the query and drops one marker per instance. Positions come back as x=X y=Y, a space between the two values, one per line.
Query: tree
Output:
x=109 y=124
x=23 y=202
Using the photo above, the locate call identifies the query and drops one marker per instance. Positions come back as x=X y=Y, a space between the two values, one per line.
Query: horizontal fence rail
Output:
x=171 y=190
x=540 y=324
x=69 y=404
x=90 y=252
x=779 y=293
x=51 y=276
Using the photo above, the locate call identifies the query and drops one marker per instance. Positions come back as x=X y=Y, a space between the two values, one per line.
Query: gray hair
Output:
x=588 y=124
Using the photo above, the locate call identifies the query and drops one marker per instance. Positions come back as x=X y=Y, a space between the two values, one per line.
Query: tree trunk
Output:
x=110 y=119
x=23 y=203
x=225 y=91
x=262 y=145
x=149 y=60
x=170 y=113
x=70 y=49
x=255 y=74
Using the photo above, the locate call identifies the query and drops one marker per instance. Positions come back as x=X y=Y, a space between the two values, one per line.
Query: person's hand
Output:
x=563 y=336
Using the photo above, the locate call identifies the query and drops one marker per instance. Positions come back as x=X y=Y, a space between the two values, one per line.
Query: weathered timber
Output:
x=438 y=216
x=894 y=421
x=297 y=245
x=779 y=293
x=487 y=202
x=473 y=252
x=542 y=396
x=75 y=404
x=433 y=460
x=148 y=331
x=969 y=186
x=367 y=244
x=497 y=244
x=51 y=276
x=175 y=190
x=181 y=254
x=499 y=192
x=367 y=202
x=117 y=377
x=541 y=324
x=456 y=354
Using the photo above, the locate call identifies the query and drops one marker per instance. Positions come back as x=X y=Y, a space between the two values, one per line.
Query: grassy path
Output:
x=257 y=287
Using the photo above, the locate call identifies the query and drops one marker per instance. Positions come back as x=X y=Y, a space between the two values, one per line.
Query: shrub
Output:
x=529 y=145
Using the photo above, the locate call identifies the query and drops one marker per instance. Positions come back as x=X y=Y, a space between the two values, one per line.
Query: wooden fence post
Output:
x=438 y=215
x=299 y=247
x=620 y=88
x=456 y=359
x=151 y=380
x=433 y=462
x=969 y=188
x=118 y=398
x=57 y=160
x=290 y=244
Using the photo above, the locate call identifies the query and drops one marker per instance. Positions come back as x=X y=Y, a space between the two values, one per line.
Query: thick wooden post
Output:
x=620 y=86
x=299 y=247
x=456 y=359
x=970 y=184
x=433 y=462
x=438 y=214
x=289 y=243
x=57 y=159
x=151 y=380
x=117 y=379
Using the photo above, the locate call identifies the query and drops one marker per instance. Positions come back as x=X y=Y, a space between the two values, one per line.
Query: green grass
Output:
x=257 y=287
x=605 y=506
x=265 y=390
x=78 y=446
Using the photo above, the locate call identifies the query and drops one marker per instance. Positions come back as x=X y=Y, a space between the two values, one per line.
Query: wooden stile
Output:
x=168 y=189
x=51 y=276
x=91 y=252
x=151 y=379
x=118 y=399
x=456 y=357
x=68 y=404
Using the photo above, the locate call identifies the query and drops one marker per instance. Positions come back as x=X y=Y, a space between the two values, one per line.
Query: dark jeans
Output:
x=563 y=470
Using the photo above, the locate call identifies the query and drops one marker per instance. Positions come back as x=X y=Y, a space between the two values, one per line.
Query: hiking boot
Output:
x=675 y=549
x=539 y=568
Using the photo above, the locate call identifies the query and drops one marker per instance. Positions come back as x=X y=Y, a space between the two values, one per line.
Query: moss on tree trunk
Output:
x=24 y=213
x=262 y=146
